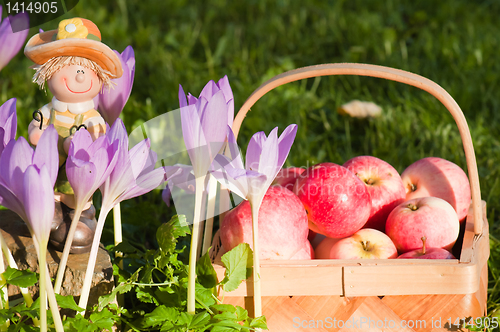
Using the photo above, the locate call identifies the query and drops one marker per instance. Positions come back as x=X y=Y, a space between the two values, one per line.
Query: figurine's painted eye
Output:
x=78 y=71
x=83 y=72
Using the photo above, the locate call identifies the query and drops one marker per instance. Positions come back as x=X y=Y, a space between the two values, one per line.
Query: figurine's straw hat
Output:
x=74 y=37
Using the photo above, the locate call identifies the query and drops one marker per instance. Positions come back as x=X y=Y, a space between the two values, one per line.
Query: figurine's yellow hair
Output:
x=48 y=69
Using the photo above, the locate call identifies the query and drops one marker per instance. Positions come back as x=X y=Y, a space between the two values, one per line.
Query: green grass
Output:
x=455 y=43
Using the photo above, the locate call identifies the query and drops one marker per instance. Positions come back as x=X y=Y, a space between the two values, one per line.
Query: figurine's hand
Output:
x=34 y=132
x=67 y=142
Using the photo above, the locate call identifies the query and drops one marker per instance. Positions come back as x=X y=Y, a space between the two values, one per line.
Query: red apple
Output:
x=323 y=249
x=366 y=243
x=428 y=253
x=336 y=201
x=384 y=185
x=283 y=226
x=287 y=177
x=441 y=178
x=431 y=217
x=306 y=252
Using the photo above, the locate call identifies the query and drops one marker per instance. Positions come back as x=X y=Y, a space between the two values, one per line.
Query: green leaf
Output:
x=199 y=320
x=238 y=263
x=224 y=307
x=104 y=319
x=67 y=302
x=120 y=289
x=125 y=247
x=205 y=272
x=241 y=314
x=259 y=323
x=204 y=298
x=160 y=315
x=20 y=278
x=168 y=233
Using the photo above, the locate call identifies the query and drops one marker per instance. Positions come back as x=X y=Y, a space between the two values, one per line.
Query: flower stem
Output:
x=257 y=295
x=84 y=296
x=117 y=231
x=209 y=224
x=67 y=248
x=5 y=326
x=191 y=300
x=54 y=308
x=42 y=257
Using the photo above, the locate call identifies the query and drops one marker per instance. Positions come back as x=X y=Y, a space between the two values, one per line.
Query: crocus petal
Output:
x=113 y=100
x=38 y=201
x=11 y=201
x=192 y=100
x=118 y=132
x=269 y=156
x=254 y=150
x=209 y=90
x=8 y=120
x=16 y=157
x=285 y=143
x=223 y=84
x=46 y=153
x=182 y=97
x=10 y=41
x=82 y=176
x=2 y=145
x=79 y=144
x=233 y=149
x=145 y=184
x=213 y=122
x=139 y=155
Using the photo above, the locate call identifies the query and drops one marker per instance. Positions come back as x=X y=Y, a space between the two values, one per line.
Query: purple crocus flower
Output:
x=11 y=42
x=8 y=122
x=204 y=132
x=112 y=101
x=264 y=158
x=89 y=164
x=17 y=157
x=39 y=192
x=134 y=173
x=210 y=89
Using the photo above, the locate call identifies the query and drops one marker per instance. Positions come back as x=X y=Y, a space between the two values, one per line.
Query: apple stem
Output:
x=413 y=187
x=370 y=181
x=413 y=207
x=365 y=245
x=423 y=244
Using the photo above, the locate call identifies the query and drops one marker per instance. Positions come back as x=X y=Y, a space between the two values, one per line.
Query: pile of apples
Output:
x=362 y=209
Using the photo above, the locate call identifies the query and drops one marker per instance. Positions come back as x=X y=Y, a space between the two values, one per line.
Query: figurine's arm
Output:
x=38 y=125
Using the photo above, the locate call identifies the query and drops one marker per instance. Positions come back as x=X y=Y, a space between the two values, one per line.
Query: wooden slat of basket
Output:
x=466 y=256
x=399 y=280
x=286 y=281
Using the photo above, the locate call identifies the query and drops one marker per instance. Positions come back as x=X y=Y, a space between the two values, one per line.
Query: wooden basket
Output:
x=375 y=295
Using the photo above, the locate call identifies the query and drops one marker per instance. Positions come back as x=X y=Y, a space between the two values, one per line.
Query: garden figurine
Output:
x=75 y=65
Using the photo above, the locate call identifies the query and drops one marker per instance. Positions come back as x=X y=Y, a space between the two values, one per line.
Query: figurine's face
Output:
x=74 y=84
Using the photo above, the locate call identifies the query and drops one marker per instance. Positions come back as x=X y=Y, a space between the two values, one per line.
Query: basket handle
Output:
x=393 y=75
